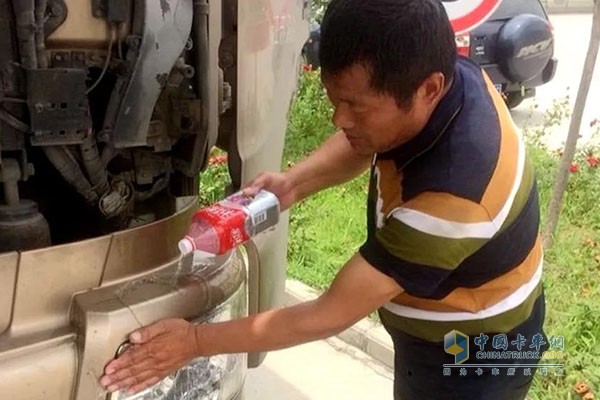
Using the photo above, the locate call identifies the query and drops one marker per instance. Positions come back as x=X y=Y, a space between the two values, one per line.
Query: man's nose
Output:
x=342 y=117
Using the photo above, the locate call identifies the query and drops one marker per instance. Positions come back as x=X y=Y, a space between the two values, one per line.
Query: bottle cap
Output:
x=186 y=246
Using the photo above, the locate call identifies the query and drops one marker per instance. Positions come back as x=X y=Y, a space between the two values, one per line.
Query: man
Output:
x=453 y=214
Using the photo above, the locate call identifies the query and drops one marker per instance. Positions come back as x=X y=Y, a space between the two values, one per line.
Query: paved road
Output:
x=320 y=371
x=572 y=33
x=324 y=370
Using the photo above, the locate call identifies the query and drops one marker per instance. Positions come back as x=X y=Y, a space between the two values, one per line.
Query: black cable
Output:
x=13 y=121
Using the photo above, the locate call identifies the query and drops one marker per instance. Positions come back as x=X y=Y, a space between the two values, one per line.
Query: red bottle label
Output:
x=229 y=224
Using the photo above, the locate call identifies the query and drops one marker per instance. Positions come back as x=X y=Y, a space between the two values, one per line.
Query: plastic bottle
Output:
x=230 y=222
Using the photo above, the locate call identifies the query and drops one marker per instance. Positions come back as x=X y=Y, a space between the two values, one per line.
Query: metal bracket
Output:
x=61 y=59
x=58 y=106
x=167 y=27
x=58 y=15
x=149 y=166
x=73 y=59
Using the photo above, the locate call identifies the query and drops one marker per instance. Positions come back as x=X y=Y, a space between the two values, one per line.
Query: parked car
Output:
x=515 y=46
x=108 y=112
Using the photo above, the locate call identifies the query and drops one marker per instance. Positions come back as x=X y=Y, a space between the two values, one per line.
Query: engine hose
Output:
x=201 y=41
x=71 y=172
x=93 y=165
x=108 y=153
x=40 y=45
x=26 y=28
x=13 y=121
x=202 y=53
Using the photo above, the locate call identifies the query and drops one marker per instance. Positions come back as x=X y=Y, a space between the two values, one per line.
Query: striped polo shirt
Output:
x=453 y=217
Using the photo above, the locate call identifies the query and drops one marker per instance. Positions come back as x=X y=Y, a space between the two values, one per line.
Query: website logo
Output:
x=457 y=344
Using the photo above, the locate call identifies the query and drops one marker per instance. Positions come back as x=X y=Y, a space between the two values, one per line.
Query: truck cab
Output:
x=109 y=110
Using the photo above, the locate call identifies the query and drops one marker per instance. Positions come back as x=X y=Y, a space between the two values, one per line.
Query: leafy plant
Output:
x=318 y=9
x=215 y=179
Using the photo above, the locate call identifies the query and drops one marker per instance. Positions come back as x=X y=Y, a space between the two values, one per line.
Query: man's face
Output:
x=372 y=121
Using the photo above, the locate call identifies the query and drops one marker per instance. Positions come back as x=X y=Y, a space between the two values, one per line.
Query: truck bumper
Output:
x=65 y=310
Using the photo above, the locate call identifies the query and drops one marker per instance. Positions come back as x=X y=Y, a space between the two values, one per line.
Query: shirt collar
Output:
x=442 y=116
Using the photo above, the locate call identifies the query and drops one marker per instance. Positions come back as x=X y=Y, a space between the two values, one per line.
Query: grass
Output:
x=328 y=228
x=571 y=267
x=215 y=180
x=322 y=236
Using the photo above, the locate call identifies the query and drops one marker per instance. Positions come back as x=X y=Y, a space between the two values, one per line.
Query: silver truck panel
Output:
x=73 y=305
x=271 y=35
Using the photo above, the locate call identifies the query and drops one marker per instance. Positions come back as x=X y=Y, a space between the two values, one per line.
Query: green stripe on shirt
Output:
x=434 y=331
x=418 y=247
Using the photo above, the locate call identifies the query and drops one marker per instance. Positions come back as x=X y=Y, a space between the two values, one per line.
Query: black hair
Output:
x=401 y=42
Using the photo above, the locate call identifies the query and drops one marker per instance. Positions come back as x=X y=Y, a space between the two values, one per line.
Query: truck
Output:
x=109 y=110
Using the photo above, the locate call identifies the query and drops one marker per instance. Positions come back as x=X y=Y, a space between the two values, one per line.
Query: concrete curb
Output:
x=366 y=335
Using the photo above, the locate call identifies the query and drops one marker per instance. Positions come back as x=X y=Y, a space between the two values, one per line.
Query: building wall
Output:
x=568 y=5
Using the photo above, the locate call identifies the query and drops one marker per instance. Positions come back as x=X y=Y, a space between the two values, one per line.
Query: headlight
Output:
x=215 y=378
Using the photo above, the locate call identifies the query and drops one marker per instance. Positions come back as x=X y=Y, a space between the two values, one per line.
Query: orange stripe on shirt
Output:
x=448 y=207
x=505 y=173
x=389 y=185
x=484 y=296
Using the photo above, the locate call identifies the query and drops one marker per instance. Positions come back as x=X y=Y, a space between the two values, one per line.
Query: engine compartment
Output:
x=102 y=117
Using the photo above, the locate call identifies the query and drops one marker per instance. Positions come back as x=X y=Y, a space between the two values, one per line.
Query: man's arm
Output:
x=333 y=163
x=357 y=290
x=160 y=349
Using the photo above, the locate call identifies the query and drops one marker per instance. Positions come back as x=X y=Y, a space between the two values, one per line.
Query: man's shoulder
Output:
x=463 y=160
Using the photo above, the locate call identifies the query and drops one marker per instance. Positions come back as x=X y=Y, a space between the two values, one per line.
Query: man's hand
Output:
x=157 y=351
x=278 y=183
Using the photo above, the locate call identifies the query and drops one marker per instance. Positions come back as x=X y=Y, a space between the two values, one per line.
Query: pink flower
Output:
x=217 y=160
x=592 y=161
x=574 y=168
x=307 y=67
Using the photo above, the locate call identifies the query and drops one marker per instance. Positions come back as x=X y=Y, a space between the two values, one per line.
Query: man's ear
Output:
x=432 y=89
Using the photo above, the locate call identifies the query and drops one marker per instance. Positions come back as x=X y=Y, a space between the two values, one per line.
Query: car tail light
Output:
x=463 y=44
